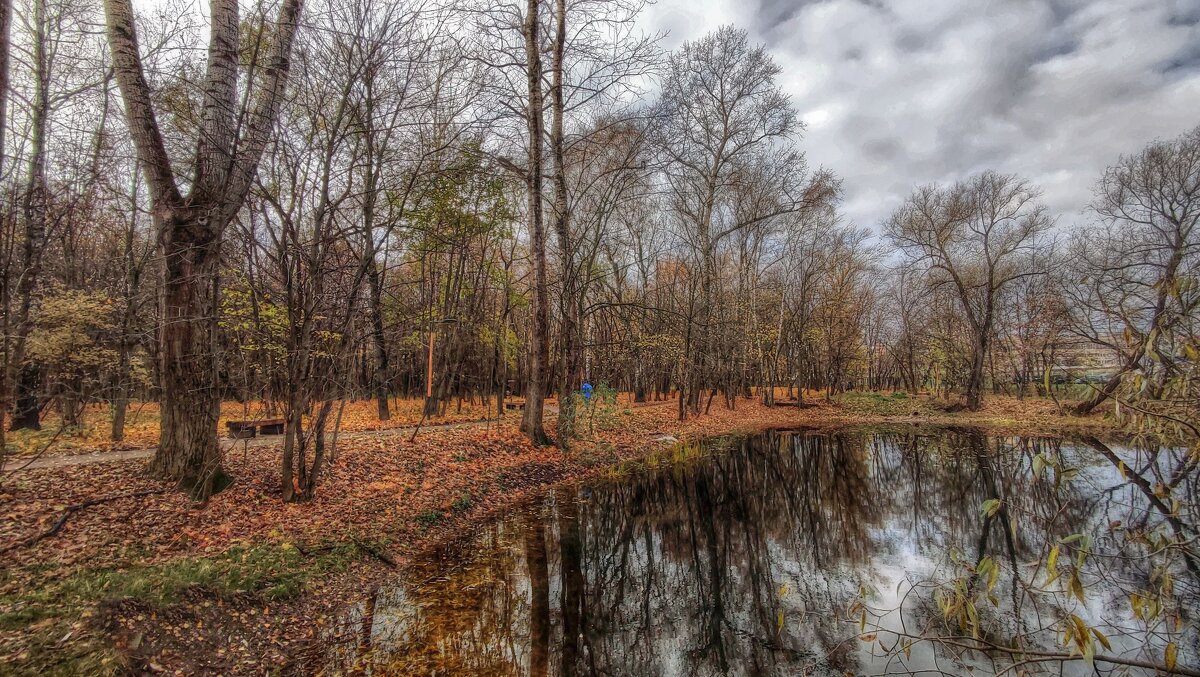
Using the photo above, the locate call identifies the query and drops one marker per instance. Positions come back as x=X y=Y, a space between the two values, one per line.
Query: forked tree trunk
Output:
x=233 y=132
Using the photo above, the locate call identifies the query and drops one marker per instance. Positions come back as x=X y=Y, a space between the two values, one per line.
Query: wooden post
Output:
x=429 y=368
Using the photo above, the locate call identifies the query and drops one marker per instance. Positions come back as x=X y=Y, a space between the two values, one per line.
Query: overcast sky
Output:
x=901 y=92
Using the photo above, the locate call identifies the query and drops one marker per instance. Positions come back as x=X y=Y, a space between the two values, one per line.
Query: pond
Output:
x=863 y=551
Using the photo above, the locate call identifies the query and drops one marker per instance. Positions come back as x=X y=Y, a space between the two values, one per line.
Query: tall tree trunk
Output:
x=33 y=214
x=5 y=64
x=570 y=367
x=381 y=378
x=539 y=349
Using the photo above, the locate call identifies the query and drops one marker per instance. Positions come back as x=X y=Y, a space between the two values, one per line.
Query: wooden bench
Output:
x=240 y=430
x=514 y=406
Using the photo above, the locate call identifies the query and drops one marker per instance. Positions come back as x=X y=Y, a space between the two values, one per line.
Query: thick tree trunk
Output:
x=974 y=390
x=189 y=452
x=190 y=230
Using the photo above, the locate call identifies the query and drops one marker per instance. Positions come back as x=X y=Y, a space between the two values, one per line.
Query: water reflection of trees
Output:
x=742 y=562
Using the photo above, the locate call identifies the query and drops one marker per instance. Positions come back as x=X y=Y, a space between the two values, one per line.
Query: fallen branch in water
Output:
x=71 y=510
x=1035 y=656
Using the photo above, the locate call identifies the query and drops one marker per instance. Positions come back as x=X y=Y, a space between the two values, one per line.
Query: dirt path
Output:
x=232 y=446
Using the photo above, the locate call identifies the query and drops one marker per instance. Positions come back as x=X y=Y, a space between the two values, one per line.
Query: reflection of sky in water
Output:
x=747 y=561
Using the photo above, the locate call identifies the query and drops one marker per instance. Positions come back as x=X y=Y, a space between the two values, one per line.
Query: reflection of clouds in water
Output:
x=746 y=561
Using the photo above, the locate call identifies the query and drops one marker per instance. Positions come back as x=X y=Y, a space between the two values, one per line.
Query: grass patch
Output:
x=885 y=404
x=462 y=504
x=429 y=518
x=43 y=609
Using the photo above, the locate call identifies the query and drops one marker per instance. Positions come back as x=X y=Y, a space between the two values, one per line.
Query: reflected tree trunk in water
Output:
x=1181 y=529
x=368 y=623
x=977 y=443
x=539 y=605
x=570 y=548
x=715 y=620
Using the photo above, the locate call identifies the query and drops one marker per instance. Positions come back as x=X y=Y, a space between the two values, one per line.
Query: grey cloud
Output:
x=914 y=91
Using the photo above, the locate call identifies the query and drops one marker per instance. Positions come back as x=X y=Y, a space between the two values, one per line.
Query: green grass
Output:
x=429 y=518
x=46 y=611
x=885 y=404
x=462 y=504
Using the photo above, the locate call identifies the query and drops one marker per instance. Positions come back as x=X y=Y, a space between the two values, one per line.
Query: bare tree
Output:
x=1135 y=268
x=726 y=131
x=975 y=237
x=233 y=131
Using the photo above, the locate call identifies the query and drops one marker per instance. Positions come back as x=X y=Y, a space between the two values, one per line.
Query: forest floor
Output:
x=103 y=569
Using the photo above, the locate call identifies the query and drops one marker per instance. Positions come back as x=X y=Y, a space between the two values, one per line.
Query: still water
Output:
x=791 y=552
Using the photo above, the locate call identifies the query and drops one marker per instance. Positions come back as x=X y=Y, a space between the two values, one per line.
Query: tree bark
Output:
x=539 y=350
x=5 y=65
x=974 y=390
x=382 y=366
x=188 y=450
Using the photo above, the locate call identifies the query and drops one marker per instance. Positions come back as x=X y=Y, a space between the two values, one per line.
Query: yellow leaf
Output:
x=1076 y=586
x=1172 y=655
